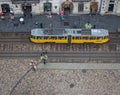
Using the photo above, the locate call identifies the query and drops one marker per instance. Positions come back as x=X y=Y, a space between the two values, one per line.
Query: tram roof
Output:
x=65 y=32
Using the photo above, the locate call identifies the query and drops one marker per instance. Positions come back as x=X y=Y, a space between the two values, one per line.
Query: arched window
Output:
x=5 y=8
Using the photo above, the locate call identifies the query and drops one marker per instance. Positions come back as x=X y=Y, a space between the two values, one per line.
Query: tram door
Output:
x=69 y=39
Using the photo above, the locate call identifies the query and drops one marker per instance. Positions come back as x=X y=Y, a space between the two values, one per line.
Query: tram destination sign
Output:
x=81 y=0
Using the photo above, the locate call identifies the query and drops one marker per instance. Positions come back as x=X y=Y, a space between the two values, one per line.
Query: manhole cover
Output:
x=66 y=23
x=72 y=85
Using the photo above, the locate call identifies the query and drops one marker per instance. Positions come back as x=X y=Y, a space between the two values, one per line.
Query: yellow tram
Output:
x=69 y=36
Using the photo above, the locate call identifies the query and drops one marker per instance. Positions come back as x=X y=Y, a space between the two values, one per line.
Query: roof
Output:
x=66 y=32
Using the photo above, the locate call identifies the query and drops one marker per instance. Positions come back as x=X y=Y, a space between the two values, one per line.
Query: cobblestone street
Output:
x=110 y=22
x=56 y=82
x=59 y=59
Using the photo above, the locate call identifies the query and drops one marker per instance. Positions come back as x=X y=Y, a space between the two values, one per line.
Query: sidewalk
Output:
x=110 y=22
x=74 y=66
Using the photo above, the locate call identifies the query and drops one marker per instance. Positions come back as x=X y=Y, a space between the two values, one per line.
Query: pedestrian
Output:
x=31 y=15
x=36 y=23
x=62 y=13
x=24 y=14
x=88 y=25
x=41 y=25
x=33 y=64
x=21 y=20
x=2 y=15
x=94 y=26
x=75 y=25
x=11 y=15
x=62 y=18
x=44 y=61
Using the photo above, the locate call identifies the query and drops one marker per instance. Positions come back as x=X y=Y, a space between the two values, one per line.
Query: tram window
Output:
x=77 y=38
x=35 y=37
x=99 y=38
x=40 y=37
x=61 y=37
x=32 y=36
x=65 y=37
x=73 y=37
x=86 y=38
x=46 y=37
x=53 y=37
x=92 y=38
x=105 y=37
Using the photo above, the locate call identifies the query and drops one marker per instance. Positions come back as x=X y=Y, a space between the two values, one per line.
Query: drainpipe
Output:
x=100 y=6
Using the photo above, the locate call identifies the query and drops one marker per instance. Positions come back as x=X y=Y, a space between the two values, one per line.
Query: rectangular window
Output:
x=77 y=38
x=112 y=0
x=53 y=37
x=92 y=38
x=86 y=38
x=73 y=37
x=99 y=38
x=61 y=37
x=46 y=37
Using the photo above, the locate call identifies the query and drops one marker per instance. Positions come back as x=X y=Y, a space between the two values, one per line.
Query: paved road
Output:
x=110 y=22
x=72 y=66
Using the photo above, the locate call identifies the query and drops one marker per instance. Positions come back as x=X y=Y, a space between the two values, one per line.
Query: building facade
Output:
x=110 y=7
x=55 y=6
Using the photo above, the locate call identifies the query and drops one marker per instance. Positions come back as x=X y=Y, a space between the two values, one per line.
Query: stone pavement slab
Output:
x=110 y=22
x=72 y=66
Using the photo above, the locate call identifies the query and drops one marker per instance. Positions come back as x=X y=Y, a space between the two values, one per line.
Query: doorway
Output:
x=111 y=7
x=27 y=8
x=67 y=7
x=94 y=7
x=80 y=7
x=5 y=8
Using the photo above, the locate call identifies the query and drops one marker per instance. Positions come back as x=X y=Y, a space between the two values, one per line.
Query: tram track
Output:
x=14 y=40
x=63 y=54
x=21 y=47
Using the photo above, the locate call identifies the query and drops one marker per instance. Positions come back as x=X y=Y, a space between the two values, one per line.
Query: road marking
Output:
x=72 y=66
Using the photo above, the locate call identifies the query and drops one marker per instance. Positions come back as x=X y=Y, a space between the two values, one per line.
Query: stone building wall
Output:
x=79 y=6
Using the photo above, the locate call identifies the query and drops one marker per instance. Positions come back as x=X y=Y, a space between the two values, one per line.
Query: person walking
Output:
x=41 y=25
x=2 y=15
x=88 y=25
x=21 y=20
x=11 y=14
x=34 y=65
